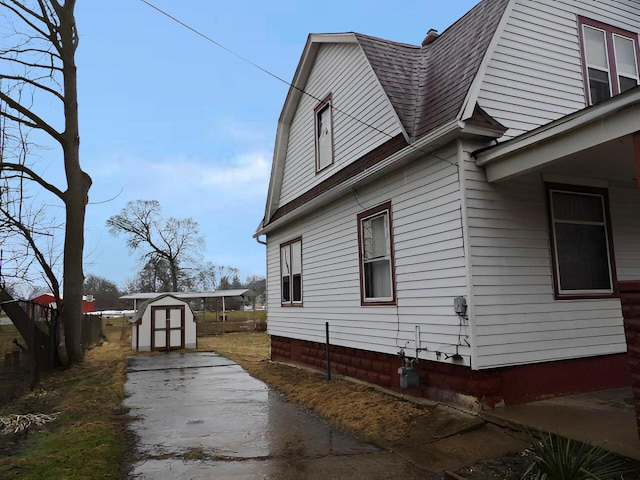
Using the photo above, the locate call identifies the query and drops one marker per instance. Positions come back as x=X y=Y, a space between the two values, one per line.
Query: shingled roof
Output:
x=427 y=85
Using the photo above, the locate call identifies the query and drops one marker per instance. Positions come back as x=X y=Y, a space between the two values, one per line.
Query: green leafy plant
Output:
x=559 y=458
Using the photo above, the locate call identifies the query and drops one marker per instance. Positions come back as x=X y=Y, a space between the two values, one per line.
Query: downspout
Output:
x=260 y=241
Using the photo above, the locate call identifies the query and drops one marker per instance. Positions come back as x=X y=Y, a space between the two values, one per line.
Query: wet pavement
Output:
x=201 y=416
x=605 y=417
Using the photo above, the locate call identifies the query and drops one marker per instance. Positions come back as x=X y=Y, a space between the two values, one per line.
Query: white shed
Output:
x=163 y=323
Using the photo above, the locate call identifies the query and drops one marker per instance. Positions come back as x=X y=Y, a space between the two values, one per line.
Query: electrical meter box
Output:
x=408 y=378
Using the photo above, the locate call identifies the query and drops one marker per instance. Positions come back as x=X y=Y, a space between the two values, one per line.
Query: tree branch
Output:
x=31 y=65
x=37 y=121
x=20 y=51
x=36 y=251
x=33 y=83
x=14 y=167
x=16 y=10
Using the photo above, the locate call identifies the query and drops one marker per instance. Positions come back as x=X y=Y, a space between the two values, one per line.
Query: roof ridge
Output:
x=386 y=40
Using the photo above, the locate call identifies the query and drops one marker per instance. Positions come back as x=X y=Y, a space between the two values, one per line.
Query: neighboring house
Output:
x=48 y=300
x=471 y=202
x=164 y=322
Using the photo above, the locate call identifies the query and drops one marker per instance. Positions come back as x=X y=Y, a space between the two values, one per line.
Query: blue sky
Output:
x=166 y=115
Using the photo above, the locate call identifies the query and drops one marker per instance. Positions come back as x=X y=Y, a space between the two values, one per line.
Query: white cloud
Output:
x=178 y=177
x=231 y=129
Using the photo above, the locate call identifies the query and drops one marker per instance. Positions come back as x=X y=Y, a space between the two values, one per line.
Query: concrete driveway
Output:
x=201 y=416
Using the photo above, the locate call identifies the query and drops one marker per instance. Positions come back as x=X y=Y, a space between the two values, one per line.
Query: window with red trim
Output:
x=377 y=271
x=610 y=59
x=324 y=134
x=291 y=272
x=581 y=240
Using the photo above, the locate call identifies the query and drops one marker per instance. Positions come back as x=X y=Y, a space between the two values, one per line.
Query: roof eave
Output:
x=558 y=138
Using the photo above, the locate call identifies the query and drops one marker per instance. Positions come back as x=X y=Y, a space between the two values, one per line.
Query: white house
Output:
x=163 y=323
x=471 y=203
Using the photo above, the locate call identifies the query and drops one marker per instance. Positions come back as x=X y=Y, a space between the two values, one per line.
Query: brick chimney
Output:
x=432 y=34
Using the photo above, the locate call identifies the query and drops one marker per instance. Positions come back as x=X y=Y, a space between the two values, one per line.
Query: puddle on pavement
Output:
x=200 y=413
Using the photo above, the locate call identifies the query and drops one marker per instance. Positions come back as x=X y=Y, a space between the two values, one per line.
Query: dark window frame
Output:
x=326 y=103
x=610 y=31
x=584 y=190
x=372 y=212
x=291 y=302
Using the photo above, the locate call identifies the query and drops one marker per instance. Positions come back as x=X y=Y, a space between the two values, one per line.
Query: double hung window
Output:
x=610 y=58
x=376 y=256
x=291 y=272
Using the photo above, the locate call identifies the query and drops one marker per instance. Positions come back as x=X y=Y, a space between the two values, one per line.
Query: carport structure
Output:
x=243 y=293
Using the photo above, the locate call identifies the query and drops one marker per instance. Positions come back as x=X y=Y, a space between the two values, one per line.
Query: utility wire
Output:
x=271 y=74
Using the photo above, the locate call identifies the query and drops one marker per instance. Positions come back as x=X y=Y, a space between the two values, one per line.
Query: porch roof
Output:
x=588 y=128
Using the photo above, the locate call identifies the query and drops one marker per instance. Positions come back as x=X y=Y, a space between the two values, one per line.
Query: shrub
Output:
x=559 y=458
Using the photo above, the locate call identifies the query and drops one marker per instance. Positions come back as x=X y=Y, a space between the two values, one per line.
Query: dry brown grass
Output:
x=88 y=439
x=359 y=409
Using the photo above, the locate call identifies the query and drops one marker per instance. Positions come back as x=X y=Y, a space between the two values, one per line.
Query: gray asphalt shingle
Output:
x=427 y=85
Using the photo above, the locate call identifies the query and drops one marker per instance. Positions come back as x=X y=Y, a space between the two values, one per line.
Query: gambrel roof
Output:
x=428 y=86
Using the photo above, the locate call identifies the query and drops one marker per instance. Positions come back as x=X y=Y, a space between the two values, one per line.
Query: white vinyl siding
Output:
x=343 y=71
x=429 y=263
x=535 y=74
x=517 y=319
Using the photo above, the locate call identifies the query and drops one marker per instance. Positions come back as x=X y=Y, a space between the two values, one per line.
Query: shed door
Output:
x=167 y=327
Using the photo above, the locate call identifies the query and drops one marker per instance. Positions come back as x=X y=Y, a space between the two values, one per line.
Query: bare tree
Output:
x=174 y=240
x=38 y=61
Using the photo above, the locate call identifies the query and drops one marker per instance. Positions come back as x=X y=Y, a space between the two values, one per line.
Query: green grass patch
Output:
x=89 y=437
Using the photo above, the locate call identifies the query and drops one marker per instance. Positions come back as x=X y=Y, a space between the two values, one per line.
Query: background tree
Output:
x=105 y=293
x=175 y=241
x=257 y=283
x=37 y=69
x=230 y=280
x=154 y=276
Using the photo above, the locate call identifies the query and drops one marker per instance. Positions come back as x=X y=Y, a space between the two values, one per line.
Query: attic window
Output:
x=610 y=60
x=324 y=134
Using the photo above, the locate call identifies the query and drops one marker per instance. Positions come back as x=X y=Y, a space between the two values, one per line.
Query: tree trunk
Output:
x=76 y=195
x=174 y=276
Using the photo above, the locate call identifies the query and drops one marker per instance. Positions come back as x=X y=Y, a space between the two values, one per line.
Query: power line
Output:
x=273 y=75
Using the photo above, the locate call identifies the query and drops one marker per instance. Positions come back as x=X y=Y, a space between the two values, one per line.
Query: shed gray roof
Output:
x=428 y=85
x=137 y=316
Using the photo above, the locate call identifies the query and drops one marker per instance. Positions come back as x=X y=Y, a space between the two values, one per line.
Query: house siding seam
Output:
x=457 y=384
x=535 y=75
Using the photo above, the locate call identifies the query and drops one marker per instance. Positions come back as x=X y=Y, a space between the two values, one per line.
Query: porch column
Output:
x=630 y=299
